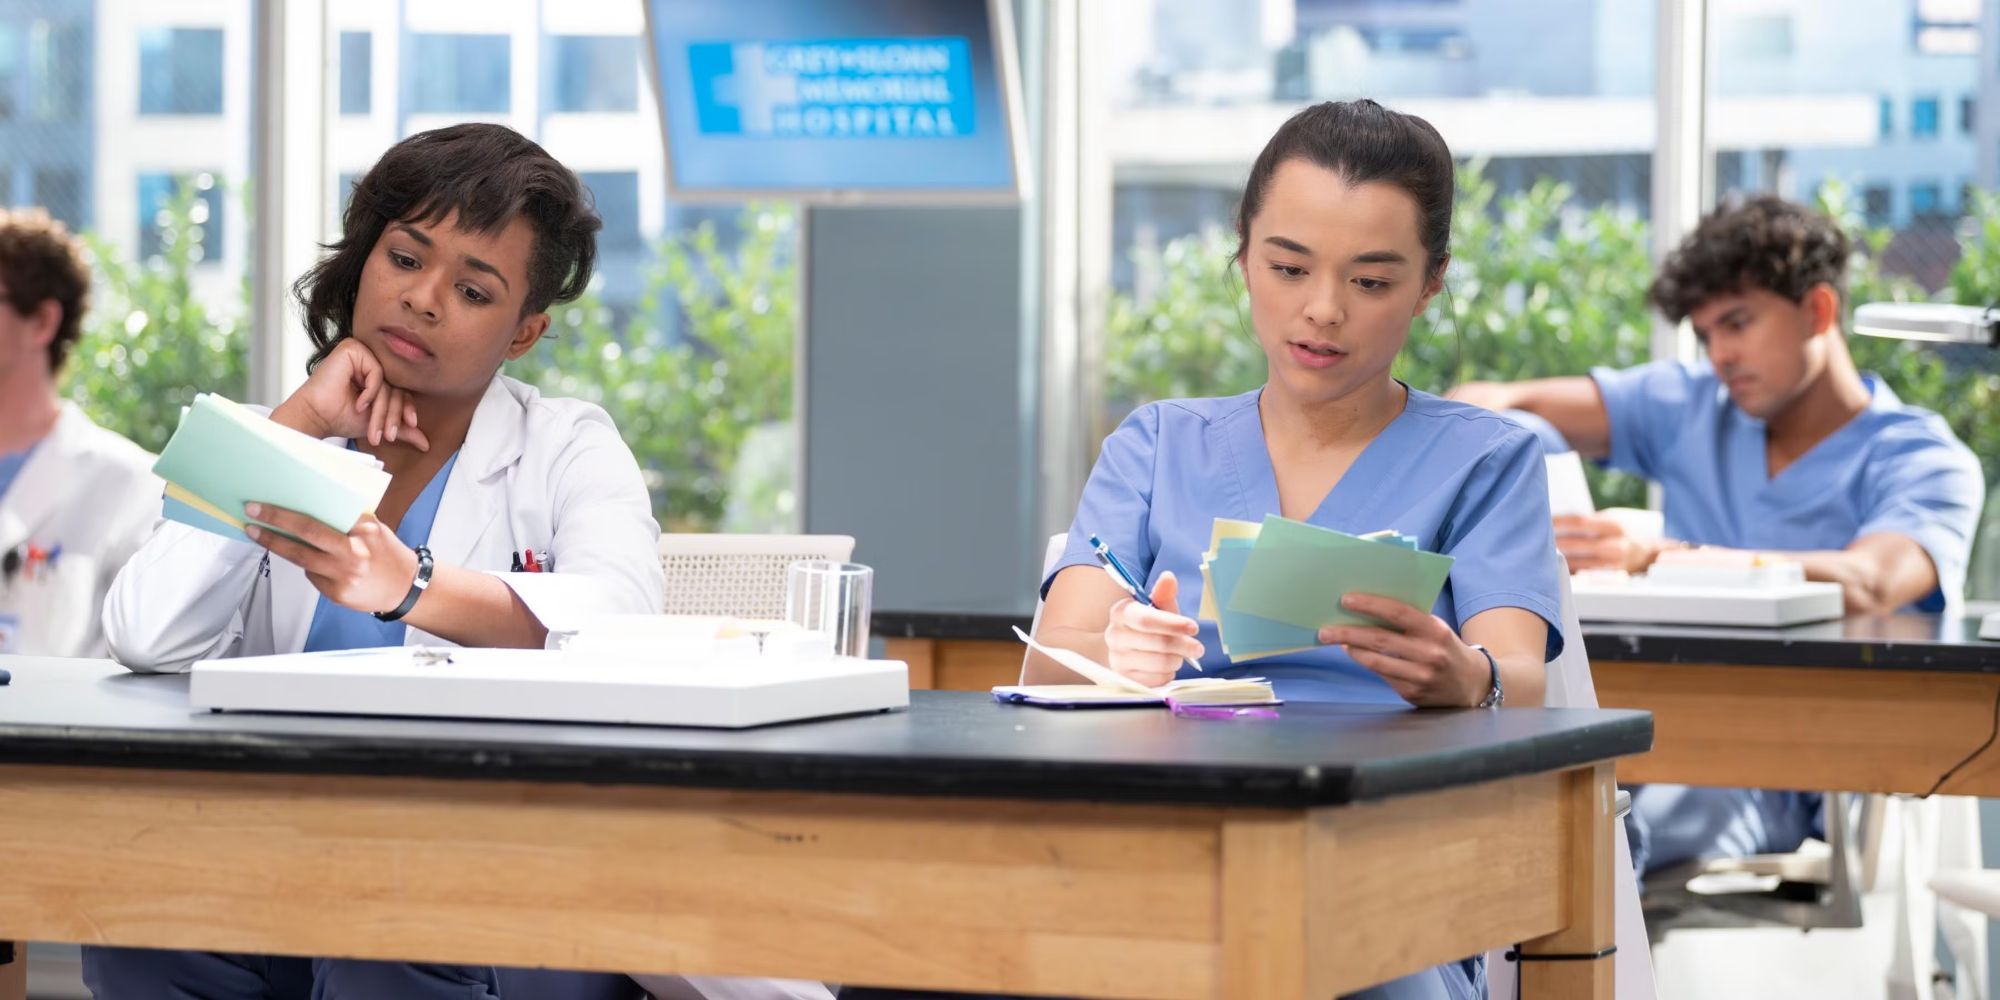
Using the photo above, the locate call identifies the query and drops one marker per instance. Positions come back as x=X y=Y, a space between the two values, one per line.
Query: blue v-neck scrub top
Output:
x=1464 y=481
x=1892 y=468
x=335 y=627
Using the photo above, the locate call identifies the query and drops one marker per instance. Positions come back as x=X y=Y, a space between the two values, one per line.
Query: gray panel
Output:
x=917 y=442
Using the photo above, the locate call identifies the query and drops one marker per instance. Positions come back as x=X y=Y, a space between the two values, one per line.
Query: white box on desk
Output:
x=1643 y=602
x=551 y=686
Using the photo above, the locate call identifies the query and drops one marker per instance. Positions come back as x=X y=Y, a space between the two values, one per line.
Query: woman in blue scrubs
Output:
x=1343 y=230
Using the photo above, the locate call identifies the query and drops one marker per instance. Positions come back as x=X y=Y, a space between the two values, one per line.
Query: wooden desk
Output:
x=1884 y=703
x=958 y=845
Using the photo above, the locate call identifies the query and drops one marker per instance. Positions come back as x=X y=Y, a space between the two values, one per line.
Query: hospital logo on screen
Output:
x=863 y=88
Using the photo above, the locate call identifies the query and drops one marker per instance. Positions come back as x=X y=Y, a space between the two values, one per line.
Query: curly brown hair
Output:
x=1764 y=242
x=40 y=261
x=484 y=174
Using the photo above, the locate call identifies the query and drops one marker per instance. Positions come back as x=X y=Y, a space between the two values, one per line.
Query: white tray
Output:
x=546 y=686
x=1662 y=604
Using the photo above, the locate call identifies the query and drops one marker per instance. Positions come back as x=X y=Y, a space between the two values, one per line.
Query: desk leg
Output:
x=920 y=655
x=1590 y=928
x=14 y=974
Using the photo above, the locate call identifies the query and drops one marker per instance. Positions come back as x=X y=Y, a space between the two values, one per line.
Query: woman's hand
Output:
x=1148 y=644
x=367 y=569
x=1427 y=663
x=347 y=396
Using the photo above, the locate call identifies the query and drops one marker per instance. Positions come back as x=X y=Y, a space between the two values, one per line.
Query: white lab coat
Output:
x=537 y=473
x=92 y=492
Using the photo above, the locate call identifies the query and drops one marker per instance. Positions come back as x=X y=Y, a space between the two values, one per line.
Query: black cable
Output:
x=1969 y=758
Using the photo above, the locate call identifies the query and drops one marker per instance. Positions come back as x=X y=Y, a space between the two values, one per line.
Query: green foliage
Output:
x=149 y=343
x=689 y=407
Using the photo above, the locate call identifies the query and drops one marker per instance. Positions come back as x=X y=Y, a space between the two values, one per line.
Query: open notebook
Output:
x=1110 y=688
x=224 y=455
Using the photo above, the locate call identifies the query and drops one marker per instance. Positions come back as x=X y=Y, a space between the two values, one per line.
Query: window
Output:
x=1760 y=37
x=356 y=72
x=456 y=74
x=10 y=69
x=158 y=330
x=1968 y=114
x=180 y=71
x=1886 y=118
x=1945 y=27
x=60 y=190
x=343 y=192
x=55 y=90
x=617 y=196
x=1924 y=118
x=1876 y=201
x=164 y=199
x=594 y=73
x=1926 y=199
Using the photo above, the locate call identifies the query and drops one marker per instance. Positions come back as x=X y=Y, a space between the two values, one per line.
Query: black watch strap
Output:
x=423 y=580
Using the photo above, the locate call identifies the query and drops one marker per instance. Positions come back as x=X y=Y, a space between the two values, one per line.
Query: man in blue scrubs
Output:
x=1775 y=443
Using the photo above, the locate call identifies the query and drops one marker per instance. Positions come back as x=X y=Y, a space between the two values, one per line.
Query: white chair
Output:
x=1569 y=686
x=1952 y=824
x=738 y=576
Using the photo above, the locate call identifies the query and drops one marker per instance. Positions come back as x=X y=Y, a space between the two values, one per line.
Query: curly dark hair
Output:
x=39 y=261
x=1764 y=242
x=488 y=175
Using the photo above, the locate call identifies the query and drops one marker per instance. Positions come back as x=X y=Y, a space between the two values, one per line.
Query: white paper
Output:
x=1569 y=491
x=1089 y=669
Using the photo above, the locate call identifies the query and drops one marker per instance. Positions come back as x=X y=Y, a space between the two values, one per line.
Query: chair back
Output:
x=1052 y=552
x=738 y=576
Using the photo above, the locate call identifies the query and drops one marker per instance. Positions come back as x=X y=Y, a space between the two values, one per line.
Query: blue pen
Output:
x=1125 y=577
x=1110 y=561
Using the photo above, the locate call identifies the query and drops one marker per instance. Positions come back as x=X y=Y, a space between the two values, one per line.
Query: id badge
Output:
x=10 y=633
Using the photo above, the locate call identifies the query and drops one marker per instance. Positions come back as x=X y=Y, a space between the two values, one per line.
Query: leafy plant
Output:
x=691 y=406
x=149 y=343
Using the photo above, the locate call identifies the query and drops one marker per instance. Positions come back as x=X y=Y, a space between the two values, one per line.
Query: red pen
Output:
x=533 y=566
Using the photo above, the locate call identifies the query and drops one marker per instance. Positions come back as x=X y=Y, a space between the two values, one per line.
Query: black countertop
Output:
x=1862 y=642
x=93 y=713
x=1880 y=642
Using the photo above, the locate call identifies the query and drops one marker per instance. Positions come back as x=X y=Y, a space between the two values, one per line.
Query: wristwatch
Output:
x=423 y=580
x=1495 y=695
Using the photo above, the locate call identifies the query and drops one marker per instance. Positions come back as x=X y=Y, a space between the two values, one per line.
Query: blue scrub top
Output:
x=1464 y=481
x=336 y=627
x=1892 y=468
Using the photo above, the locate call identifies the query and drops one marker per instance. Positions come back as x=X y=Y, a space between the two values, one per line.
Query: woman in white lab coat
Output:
x=456 y=243
x=75 y=499
x=522 y=513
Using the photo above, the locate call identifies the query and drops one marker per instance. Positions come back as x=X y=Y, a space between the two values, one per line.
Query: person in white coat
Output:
x=508 y=513
x=75 y=499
